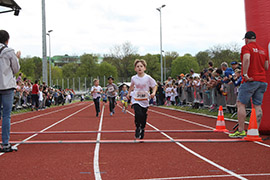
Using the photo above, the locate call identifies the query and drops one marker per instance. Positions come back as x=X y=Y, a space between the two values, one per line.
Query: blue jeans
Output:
x=6 y=100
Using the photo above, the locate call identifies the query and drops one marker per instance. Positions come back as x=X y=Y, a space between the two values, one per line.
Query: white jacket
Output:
x=9 y=66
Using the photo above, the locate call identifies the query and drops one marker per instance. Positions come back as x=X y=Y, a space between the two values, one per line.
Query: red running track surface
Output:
x=226 y=160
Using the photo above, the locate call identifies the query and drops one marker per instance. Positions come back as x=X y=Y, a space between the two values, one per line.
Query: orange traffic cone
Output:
x=253 y=133
x=220 y=126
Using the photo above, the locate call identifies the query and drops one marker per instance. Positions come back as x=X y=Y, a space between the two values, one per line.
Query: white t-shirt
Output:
x=142 y=85
x=168 y=91
x=97 y=90
x=40 y=96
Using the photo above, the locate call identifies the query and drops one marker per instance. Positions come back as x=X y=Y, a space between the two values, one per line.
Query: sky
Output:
x=96 y=26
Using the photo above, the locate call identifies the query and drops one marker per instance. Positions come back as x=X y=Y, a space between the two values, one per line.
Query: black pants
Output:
x=140 y=116
x=35 y=102
x=112 y=103
x=96 y=101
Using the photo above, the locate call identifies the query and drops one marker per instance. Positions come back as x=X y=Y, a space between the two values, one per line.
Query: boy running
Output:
x=140 y=85
x=123 y=97
x=96 y=90
x=111 y=92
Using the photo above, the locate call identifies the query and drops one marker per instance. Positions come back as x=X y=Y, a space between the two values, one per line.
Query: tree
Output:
x=70 y=70
x=106 y=69
x=184 y=64
x=88 y=67
x=203 y=57
x=226 y=53
x=153 y=65
x=122 y=57
x=31 y=68
x=168 y=59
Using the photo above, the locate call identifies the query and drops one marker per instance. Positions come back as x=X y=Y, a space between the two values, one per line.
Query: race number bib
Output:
x=111 y=89
x=125 y=98
x=141 y=95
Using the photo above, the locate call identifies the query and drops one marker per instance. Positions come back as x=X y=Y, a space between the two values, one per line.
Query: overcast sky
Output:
x=95 y=26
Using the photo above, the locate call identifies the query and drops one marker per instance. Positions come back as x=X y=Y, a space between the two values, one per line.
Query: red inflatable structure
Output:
x=258 y=20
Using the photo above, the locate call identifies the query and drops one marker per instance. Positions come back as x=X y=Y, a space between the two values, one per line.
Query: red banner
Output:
x=258 y=20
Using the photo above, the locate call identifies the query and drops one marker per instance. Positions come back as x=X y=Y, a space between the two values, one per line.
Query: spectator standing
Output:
x=9 y=66
x=40 y=98
x=34 y=95
x=254 y=66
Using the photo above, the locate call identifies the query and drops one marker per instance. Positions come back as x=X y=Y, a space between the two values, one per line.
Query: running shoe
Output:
x=111 y=113
x=6 y=148
x=137 y=132
x=142 y=134
x=238 y=134
x=97 y=114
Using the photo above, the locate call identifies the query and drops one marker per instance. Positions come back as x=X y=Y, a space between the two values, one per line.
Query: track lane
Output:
x=234 y=156
x=135 y=161
x=52 y=161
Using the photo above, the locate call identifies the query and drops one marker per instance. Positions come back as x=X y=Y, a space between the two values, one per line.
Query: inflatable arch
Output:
x=258 y=20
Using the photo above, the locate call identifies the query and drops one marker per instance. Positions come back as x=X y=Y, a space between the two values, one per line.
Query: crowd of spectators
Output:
x=209 y=89
x=37 y=95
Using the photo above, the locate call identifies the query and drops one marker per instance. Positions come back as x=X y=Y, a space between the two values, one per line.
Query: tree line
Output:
x=119 y=63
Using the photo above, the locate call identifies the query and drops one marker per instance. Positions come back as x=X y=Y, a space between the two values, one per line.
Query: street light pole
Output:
x=165 y=68
x=50 y=60
x=44 y=49
x=161 y=64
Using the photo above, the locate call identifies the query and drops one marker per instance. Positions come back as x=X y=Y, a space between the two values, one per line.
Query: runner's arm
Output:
x=154 y=92
x=266 y=65
x=246 y=63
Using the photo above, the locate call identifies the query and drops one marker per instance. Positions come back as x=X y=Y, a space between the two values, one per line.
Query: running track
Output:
x=124 y=161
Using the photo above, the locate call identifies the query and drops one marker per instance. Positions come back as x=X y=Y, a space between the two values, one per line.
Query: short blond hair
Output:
x=95 y=80
x=140 y=61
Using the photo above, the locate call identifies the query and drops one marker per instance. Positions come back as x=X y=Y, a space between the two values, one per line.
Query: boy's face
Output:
x=110 y=81
x=139 y=68
x=96 y=83
x=124 y=88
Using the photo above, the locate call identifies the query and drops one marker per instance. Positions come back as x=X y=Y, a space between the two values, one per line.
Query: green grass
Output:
x=204 y=111
x=24 y=110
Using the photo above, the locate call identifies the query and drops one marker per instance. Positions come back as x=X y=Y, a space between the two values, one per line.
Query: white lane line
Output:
x=34 y=117
x=196 y=154
x=209 y=176
x=96 y=154
x=34 y=135
x=181 y=119
x=191 y=122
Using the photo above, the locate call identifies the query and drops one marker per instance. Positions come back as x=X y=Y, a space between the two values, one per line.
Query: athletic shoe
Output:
x=97 y=115
x=6 y=148
x=238 y=134
x=111 y=113
x=137 y=133
x=142 y=134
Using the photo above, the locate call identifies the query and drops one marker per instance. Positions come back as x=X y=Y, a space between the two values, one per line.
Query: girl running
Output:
x=140 y=85
x=96 y=91
x=123 y=97
x=111 y=92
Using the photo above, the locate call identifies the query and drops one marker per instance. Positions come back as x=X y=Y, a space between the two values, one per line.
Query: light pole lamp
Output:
x=161 y=64
x=50 y=61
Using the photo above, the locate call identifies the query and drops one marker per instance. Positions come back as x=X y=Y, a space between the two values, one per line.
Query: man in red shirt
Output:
x=34 y=95
x=254 y=66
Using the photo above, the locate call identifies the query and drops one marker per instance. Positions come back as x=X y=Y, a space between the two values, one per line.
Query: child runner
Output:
x=104 y=98
x=111 y=93
x=140 y=85
x=96 y=90
x=123 y=98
